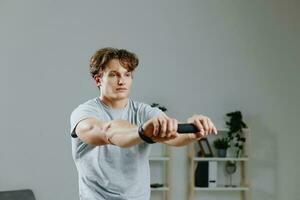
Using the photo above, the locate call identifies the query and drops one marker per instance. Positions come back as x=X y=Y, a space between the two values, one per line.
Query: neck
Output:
x=121 y=103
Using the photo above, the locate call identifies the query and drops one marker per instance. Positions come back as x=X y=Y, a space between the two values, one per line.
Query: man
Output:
x=112 y=134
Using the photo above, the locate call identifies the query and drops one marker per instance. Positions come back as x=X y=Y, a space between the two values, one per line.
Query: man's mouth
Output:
x=121 y=89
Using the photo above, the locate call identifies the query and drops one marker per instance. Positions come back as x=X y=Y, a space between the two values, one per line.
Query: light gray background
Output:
x=208 y=57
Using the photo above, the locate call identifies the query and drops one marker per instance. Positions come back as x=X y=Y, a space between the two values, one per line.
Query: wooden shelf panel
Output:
x=161 y=189
x=225 y=130
x=220 y=159
x=220 y=188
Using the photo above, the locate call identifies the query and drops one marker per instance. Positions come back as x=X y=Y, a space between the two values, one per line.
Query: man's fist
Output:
x=204 y=125
x=161 y=128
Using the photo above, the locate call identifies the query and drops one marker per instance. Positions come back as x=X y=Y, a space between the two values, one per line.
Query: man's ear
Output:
x=98 y=80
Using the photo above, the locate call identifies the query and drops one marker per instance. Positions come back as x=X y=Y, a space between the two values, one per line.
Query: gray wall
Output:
x=208 y=57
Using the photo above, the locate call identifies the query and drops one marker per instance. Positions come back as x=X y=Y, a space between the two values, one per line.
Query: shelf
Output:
x=242 y=165
x=159 y=158
x=222 y=189
x=162 y=189
x=160 y=164
x=220 y=159
x=225 y=130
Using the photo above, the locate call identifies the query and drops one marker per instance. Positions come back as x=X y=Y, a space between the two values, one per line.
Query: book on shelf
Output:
x=206 y=174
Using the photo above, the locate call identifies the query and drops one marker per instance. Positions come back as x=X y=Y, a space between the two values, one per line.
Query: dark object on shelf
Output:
x=17 y=194
x=205 y=148
x=156 y=185
x=201 y=174
x=222 y=153
x=235 y=133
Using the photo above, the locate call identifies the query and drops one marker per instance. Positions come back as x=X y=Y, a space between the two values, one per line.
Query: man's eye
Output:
x=128 y=74
x=112 y=75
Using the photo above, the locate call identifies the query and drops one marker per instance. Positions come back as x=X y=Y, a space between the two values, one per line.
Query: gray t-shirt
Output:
x=109 y=172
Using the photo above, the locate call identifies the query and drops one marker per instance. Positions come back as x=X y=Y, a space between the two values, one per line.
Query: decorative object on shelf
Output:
x=201 y=174
x=162 y=108
x=156 y=185
x=230 y=168
x=205 y=149
x=235 y=133
x=221 y=144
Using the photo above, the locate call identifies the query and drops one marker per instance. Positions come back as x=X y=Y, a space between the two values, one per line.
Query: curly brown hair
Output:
x=101 y=57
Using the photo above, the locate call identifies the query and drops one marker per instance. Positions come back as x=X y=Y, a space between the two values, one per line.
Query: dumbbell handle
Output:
x=187 y=128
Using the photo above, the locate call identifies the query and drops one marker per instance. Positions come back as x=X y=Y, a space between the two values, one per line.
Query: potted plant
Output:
x=221 y=144
x=236 y=134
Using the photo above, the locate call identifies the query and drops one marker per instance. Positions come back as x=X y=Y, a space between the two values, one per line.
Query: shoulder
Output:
x=90 y=105
x=145 y=109
x=136 y=105
x=91 y=102
x=85 y=110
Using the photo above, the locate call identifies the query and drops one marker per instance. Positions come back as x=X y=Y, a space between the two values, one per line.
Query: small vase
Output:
x=222 y=153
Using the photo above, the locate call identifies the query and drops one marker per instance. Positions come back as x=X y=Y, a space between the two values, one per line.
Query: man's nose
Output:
x=121 y=81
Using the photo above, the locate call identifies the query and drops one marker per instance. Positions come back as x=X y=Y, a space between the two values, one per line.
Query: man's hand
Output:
x=204 y=125
x=161 y=128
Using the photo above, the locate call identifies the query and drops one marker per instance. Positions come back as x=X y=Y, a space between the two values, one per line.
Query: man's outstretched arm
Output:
x=119 y=132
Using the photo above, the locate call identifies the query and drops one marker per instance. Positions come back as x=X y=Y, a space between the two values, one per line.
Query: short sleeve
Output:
x=150 y=112
x=80 y=113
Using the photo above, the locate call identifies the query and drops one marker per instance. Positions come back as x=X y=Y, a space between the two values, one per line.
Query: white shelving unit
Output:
x=164 y=162
x=243 y=164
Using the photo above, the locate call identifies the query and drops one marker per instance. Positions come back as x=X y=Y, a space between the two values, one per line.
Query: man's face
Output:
x=115 y=81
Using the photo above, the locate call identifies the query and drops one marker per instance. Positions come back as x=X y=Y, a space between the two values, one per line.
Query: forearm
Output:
x=123 y=134
x=181 y=140
x=118 y=132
